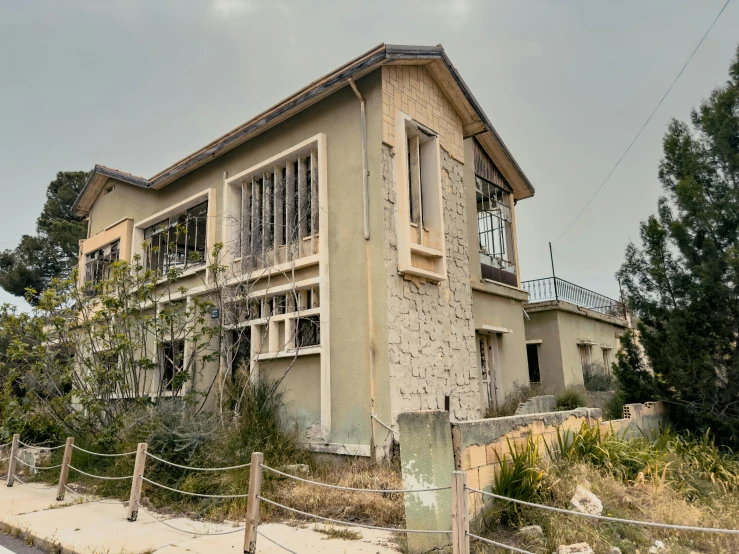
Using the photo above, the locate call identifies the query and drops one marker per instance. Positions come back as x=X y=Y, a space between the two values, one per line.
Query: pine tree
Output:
x=683 y=281
x=52 y=252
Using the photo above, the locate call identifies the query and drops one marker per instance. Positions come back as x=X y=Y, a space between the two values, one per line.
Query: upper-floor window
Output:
x=494 y=220
x=98 y=263
x=494 y=227
x=419 y=201
x=179 y=241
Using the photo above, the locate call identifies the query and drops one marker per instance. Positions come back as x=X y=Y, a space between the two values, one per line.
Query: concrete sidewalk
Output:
x=101 y=527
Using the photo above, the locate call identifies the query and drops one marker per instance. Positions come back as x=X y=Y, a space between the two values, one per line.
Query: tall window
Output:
x=494 y=225
x=173 y=358
x=98 y=263
x=585 y=354
x=179 y=241
x=240 y=350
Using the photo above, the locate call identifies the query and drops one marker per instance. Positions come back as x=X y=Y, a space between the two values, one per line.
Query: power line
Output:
x=645 y=124
x=571 y=266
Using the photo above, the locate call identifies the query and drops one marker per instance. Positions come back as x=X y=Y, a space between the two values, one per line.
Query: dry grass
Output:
x=372 y=508
x=341 y=533
x=645 y=499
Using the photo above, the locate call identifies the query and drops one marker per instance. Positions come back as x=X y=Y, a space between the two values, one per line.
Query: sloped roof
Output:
x=475 y=122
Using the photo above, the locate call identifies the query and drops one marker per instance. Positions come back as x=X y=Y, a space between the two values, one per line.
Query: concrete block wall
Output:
x=480 y=445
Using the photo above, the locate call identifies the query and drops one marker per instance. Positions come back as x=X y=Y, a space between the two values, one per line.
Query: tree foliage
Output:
x=683 y=281
x=53 y=251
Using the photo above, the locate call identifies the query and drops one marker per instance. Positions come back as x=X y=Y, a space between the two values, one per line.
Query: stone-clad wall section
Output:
x=411 y=89
x=430 y=327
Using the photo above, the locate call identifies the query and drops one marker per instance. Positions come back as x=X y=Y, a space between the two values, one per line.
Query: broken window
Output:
x=308 y=331
x=494 y=220
x=279 y=210
x=173 y=357
x=179 y=241
x=494 y=227
x=240 y=350
x=585 y=354
x=607 y=359
x=98 y=264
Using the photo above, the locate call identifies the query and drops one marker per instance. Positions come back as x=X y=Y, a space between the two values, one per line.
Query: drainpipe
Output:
x=370 y=301
x=365 y=170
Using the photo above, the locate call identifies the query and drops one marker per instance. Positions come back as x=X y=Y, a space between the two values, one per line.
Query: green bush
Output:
x=520 y=477
x=572 y=397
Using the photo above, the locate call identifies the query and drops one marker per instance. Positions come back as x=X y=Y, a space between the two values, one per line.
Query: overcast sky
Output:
x=137 y=85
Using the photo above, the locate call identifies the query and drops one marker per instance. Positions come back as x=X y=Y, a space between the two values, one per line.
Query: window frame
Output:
x=421 y=244
x=208 y=195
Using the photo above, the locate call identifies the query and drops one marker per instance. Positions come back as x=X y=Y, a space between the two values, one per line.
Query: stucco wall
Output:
x=354 y=268
x=561 y=330
x=431 y=335
x=500 y=311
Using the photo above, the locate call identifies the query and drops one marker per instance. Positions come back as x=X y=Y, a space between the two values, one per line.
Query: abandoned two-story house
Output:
x=403 y=253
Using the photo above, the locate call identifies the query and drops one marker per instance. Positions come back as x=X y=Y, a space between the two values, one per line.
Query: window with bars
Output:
x=279 y=210
x=494 y=226
x=98 y=263
x=179 y=241
x=172 y=363
x=308 y=331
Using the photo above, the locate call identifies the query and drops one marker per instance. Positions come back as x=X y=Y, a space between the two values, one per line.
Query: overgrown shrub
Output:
x=520 y=393
x=596 y=378
x=572 y=397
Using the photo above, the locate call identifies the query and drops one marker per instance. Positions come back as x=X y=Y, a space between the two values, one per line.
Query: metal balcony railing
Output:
x=554 y=288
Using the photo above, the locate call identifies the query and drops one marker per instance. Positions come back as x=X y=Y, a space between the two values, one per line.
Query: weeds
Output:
x=571 y=398
x=341 y=533
x=596 y=378
x=519 y=394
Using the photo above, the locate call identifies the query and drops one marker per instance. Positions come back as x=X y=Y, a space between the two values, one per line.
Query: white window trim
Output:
x=208 y=194
x=406 y=246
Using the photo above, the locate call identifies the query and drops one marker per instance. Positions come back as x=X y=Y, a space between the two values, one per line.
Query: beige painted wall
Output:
x=499 y=311
x=560 y=331
x=355 y=269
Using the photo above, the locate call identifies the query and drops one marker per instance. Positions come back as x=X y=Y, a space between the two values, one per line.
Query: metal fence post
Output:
x=137 y=482
x=460 y=514
x=64 y=473
x=252 y=506
x=11 y=464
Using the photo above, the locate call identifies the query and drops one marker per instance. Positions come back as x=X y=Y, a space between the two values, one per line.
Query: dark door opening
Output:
x=532 y=353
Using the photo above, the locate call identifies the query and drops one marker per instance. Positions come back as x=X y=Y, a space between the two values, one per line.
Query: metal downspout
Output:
x=370 y=301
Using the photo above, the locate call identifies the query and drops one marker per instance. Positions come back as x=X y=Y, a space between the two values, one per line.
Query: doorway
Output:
x=489 y=369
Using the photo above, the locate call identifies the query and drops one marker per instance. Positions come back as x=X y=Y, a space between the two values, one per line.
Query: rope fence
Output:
x=337 y=487
x=101 y=454
x=40 y=447
x=285 y=548
x=608 y=518
x=200 y=495
x=157 y=458
x=460 y=533
x=196 y=533
x=103 y=477
x=17 y=459
x=352 y=523
x=498 y=544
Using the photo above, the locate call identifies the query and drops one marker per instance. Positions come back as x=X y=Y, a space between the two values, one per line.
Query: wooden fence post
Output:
x=460 y=514
x=137 y=482
x=11 y=464
x=64 y=473
x=252 y=506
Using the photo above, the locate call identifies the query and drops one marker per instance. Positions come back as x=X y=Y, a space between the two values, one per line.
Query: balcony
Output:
x=556 y=289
